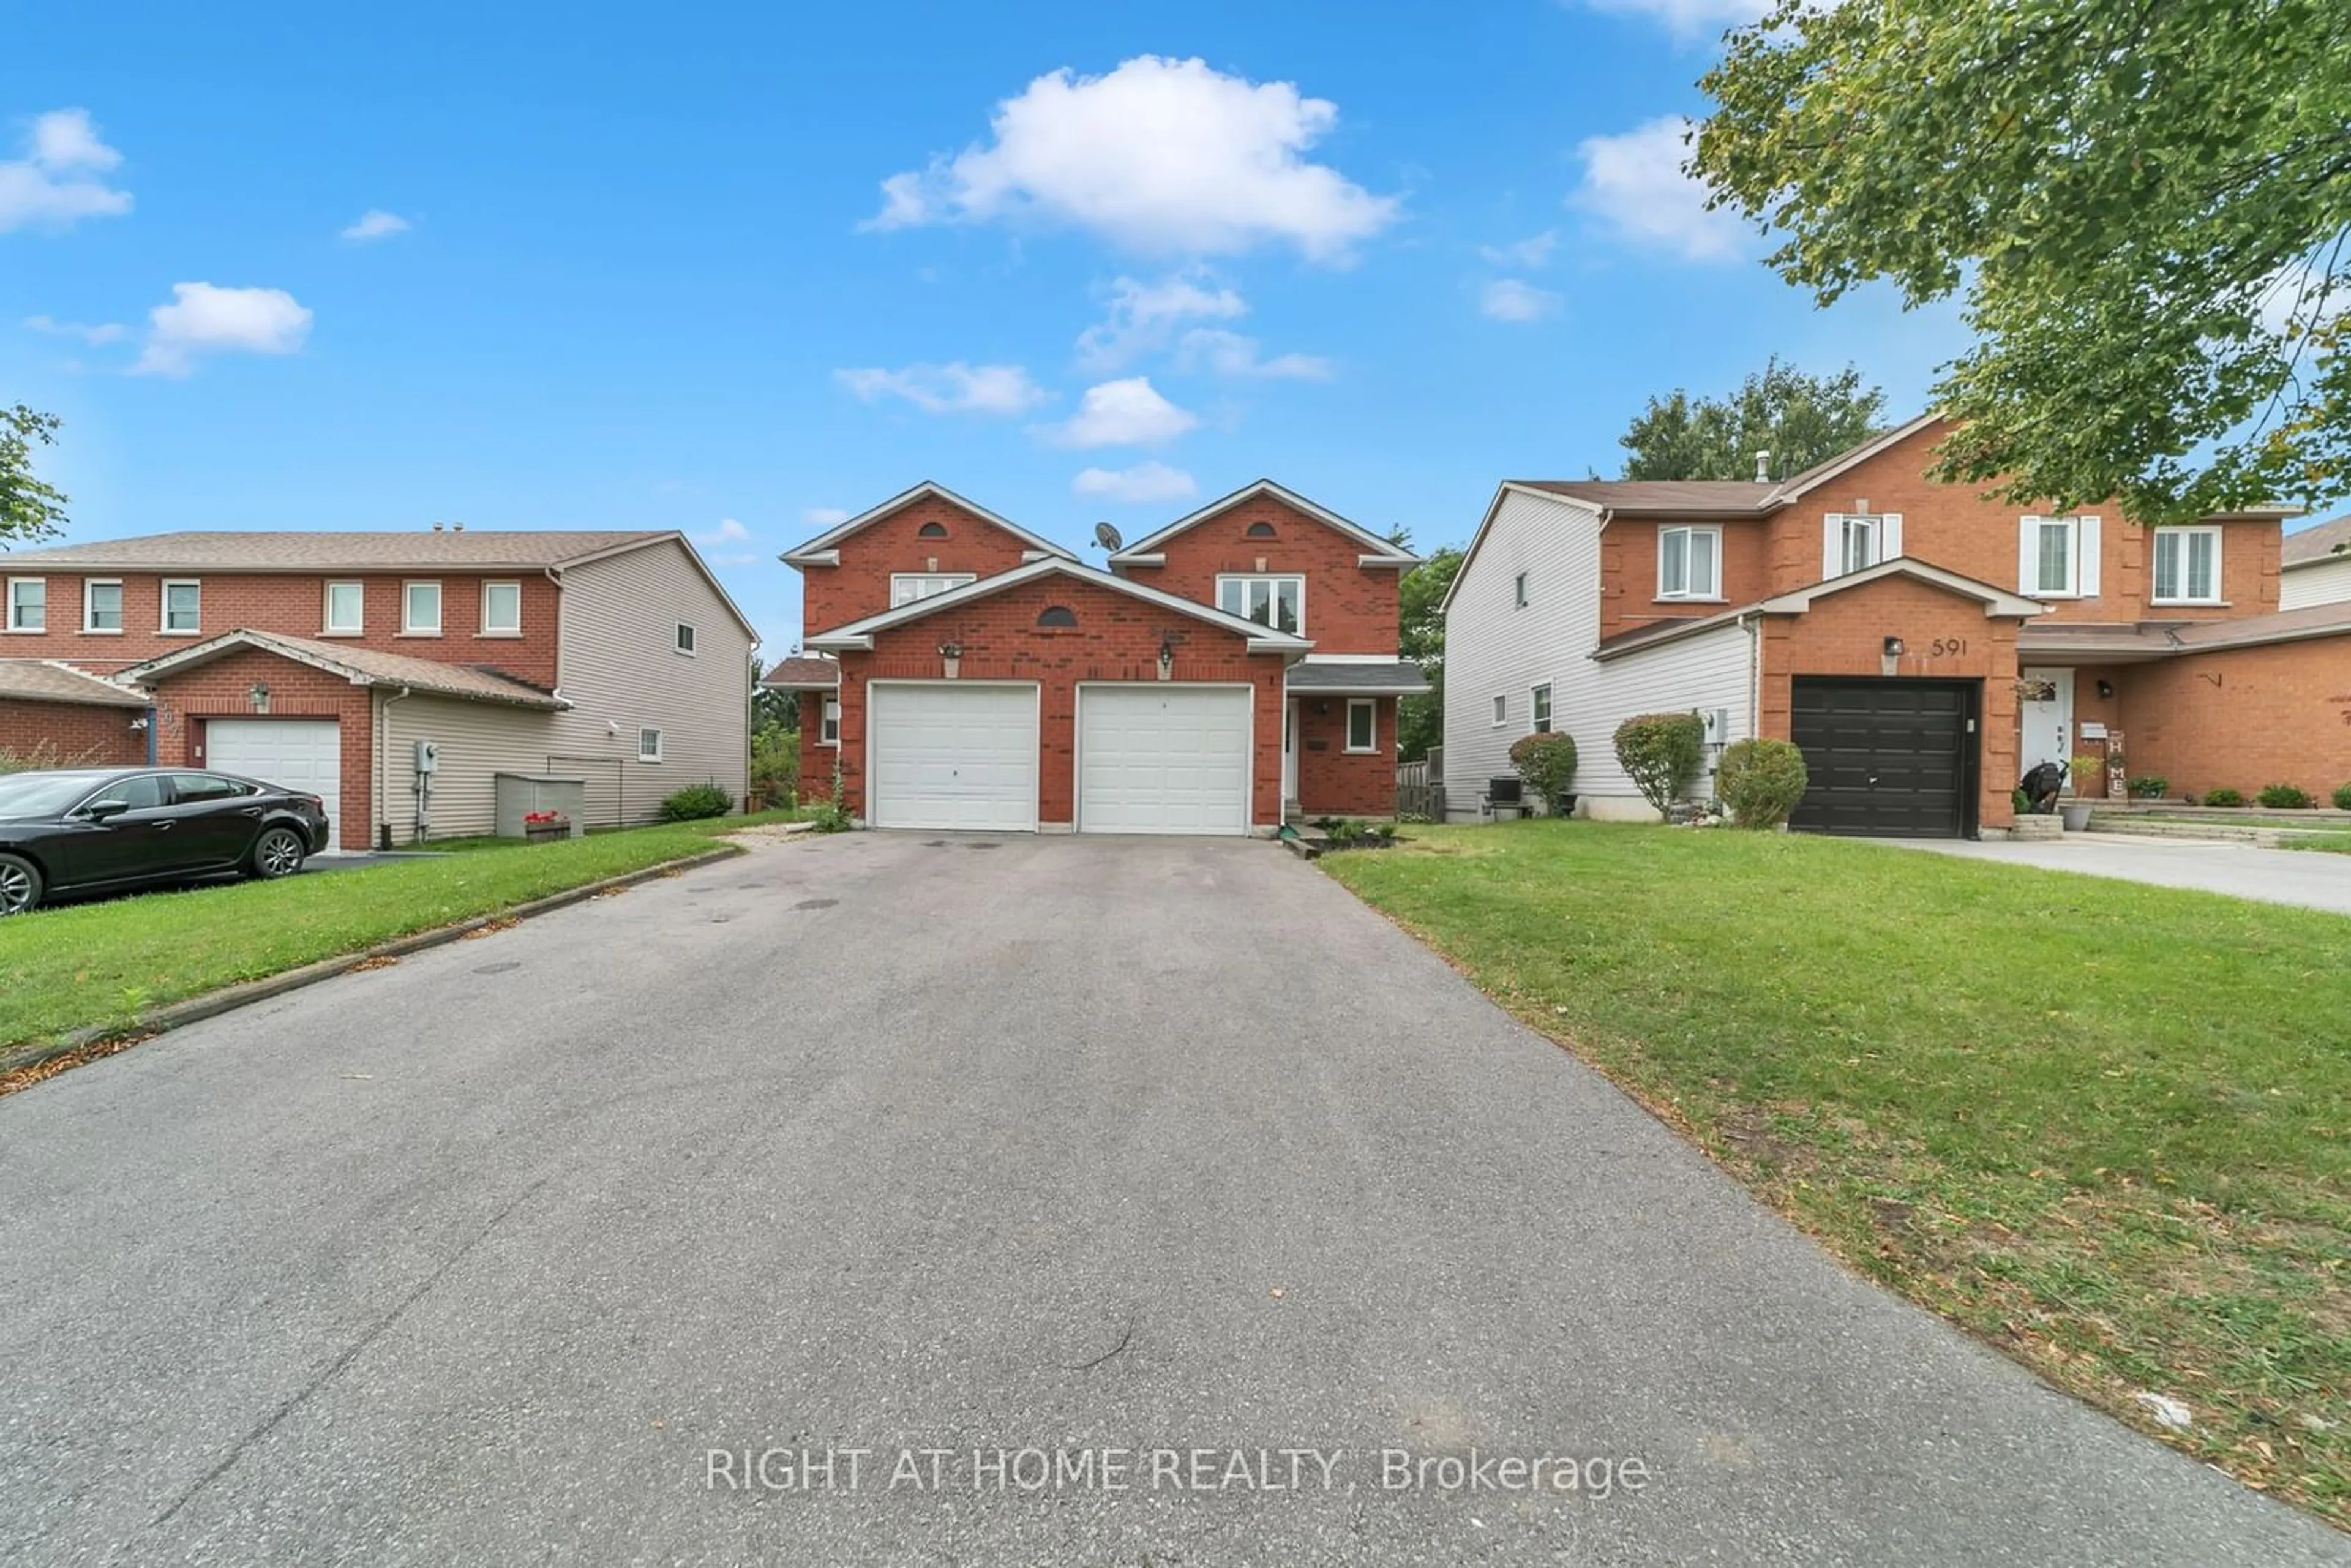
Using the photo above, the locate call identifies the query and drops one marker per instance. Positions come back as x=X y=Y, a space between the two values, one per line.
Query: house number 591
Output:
x=1948 y=647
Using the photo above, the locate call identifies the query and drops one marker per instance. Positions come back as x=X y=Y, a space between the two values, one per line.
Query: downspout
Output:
x=382 y=775
x=151 y=735
x=1754 y=622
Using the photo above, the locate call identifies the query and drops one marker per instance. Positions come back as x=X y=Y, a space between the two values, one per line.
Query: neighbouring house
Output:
x=322 y=661
x=1233 y=669
x=2314 y=567
x=1923 y=644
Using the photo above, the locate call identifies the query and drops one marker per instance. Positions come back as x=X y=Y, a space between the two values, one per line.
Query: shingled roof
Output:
x=361 y=666
x=256 y=550
x=45 y=681
x=2323 y=542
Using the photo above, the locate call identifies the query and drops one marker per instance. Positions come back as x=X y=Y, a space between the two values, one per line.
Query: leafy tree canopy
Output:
x=2145 y=205
x=1420 y=637
x=29 y=509
x=1798 y=419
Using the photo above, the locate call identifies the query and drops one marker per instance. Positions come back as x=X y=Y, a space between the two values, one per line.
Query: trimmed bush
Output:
x=1547 y=763
x=2150 y=786
x=2343 y=797
x=695 y=802
x=1761 y=781
x=2224 y=796
x=1661 y=753
x=2285 y=798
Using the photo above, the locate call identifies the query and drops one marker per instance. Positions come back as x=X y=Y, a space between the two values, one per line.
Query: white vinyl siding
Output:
x=2187 y=565
x=184 y=607
x=907 y=587
x=1490 y=646
x=1689 y=563
x=346 y=609
x=478 y=741
x=2057 y=557
x=2323 y=582
x=29 y=604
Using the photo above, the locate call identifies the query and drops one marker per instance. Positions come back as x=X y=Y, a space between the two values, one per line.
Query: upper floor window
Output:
x=1276 y=601
x=1688 y=563
x=346 y=608
x=2187 y=566
x=1519 y=590
x=501 y=608
x=183 y=606
x=1541 y=708
x=29 y=604
x=2057 y=557
x=420 y=608
x=906 y=587
x=685 y=640
x=101 y=606
x=1855 y=542
x=933 y=530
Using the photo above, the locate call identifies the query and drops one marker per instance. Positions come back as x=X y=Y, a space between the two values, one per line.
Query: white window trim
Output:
x=2082 y=576
x=953 y=579
x=1501 y=709
x=1519 y=590
x=1372 y=706
x=1297 y=576
x=1888 y=541
x=121 y=608
x=409 y=628
x=2154 y=594
x=163 y=627
x=490 y=631
x=1694 y=531
x=1550 y=700
x=656 y=753
x=686 y=640
x=10 y=608
x=828 y=714
x=327 y=608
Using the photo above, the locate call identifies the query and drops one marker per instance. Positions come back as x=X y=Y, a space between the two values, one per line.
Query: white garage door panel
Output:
x=1163 y=759
x=301 y=754
x=952 y=756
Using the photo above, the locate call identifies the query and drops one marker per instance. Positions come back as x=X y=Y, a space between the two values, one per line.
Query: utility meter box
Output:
x=1716 y=723
x=428 y=757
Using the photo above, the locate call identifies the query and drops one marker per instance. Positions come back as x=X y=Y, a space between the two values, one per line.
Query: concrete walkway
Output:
x=2303 y=877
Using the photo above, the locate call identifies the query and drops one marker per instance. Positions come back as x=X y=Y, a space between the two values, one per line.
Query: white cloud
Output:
x=95 y=336
x=1144 y=315
x=1161 y=155
x=203 y=319
x=1128 y=413
x=1147 y=481
x=727 y=532
x=375 y=223
x=952 y=388
x=1231 y=354
x=824 y=516
x=1634 y=183
x=1511 y=299
x=58 y=181
x=1688 y=20
x=1532 y=253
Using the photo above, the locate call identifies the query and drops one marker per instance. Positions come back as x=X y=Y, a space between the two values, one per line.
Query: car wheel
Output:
x=20 y=886
x=277 y=852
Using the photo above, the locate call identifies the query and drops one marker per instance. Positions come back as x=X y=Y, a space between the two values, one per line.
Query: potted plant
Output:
x=2076 y=809
x=545 y=827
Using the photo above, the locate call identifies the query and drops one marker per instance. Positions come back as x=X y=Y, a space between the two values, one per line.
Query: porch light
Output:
x=2106 y=688
x=1166 y=657
x=258 y=694
x=1894 y=647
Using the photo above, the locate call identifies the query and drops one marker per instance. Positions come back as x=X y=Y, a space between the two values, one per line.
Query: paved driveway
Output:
x=2303 y=877
x=884 y=1143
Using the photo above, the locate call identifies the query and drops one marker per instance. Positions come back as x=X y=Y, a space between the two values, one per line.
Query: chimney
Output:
x=1763 y=468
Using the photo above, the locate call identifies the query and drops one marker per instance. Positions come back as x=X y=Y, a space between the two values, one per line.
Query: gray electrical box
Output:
x=428 y=757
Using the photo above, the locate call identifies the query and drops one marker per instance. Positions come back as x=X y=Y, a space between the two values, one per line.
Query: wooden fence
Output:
x=1420 y=790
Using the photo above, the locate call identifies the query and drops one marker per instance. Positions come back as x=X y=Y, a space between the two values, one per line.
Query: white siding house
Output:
x=1524 y=613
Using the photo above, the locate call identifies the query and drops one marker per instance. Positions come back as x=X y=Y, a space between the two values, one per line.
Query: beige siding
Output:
x=622 y=672
x=2328 y=582
x=477 y=740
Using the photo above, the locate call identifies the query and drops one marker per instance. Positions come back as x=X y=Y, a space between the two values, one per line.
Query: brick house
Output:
x=320 y=660
x=1234 y=668
x=1924 y=644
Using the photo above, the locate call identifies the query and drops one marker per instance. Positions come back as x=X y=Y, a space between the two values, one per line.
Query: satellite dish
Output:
x=1107 y=537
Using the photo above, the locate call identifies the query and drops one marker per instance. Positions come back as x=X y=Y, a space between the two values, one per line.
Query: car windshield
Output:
x=44 y=794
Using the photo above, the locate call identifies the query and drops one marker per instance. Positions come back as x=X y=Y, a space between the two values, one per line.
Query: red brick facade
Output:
x=1349 y=609
x=1333 y=782
x=860 y=586
x=222 y=689
x=2241 y=718
x=73 y=733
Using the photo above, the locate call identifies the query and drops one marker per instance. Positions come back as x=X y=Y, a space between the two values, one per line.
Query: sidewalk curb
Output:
x=178 y=1015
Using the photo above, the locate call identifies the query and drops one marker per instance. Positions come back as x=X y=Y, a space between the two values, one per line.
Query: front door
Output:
x=1288 y=754
x=2046 y=722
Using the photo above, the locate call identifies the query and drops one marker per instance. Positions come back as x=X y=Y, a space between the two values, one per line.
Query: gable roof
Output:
x=361 y=666
x=812 y=552
x=1996 y=602
x=803 y=672
x=1384 y=551
x=859 y=635
x=380 y=550
x=2329 y=540
x=51 y=681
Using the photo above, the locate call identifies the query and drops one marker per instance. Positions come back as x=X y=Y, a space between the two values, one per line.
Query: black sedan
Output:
x=94 y=830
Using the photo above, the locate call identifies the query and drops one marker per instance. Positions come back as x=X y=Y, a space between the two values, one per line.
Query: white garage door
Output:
x=304 y=754
x=1163 y=760
x=951 y=755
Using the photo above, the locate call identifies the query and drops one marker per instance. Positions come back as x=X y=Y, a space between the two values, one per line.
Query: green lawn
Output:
x=2325 y=844
x=2106 y=1127
x=82 y=965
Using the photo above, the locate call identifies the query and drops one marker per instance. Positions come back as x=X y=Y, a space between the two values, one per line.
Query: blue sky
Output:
x=739 y=271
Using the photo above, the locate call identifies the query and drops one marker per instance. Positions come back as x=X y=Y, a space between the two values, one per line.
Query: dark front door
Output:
x=1888 y=758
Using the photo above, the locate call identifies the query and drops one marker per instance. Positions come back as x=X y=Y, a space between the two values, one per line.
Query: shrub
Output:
x=1761 y=781
x=2223 y=797
x=696 y=801
x=1661 y=753
x=2150 y=786
x=2343 y=797
x=1547 y=763
x=776 y=764
x=830 y=816
x=2285 y=798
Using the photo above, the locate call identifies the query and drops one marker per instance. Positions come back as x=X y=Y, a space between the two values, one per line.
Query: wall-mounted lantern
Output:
x=258 y=695
x=951 y=658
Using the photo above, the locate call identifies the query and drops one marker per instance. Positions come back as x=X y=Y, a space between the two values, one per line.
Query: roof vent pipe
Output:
x=1763 y=468
x=437 y=527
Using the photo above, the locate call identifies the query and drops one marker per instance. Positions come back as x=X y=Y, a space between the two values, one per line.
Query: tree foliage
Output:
x=1420 y=637
x=2146 y=207
x=29 y=509
x=1798 y=419
x=1661 y=754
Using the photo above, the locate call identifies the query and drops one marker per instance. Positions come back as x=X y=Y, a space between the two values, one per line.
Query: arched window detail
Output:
x=1057 y=615
x=1259 y=531
x=932 y=531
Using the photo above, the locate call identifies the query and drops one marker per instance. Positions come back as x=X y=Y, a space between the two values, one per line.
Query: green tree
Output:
x=29 y=509
x=1798 y=419
x=1420 y=637
x=2145 y=208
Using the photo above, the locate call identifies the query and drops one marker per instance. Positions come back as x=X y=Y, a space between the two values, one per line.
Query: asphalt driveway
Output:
x=2305 y=877
x=1093 y=1147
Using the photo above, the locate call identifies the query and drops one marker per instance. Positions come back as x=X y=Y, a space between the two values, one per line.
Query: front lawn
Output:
x=85 y=964
x=2106 y=1127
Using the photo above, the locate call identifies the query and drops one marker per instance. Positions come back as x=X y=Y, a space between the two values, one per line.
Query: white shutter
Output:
x=1832 y=546
x=2085 y=539
x=2028 y=555
x=1889 y=536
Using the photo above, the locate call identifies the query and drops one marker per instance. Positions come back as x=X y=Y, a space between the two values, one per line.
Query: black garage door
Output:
x=1888 y=758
